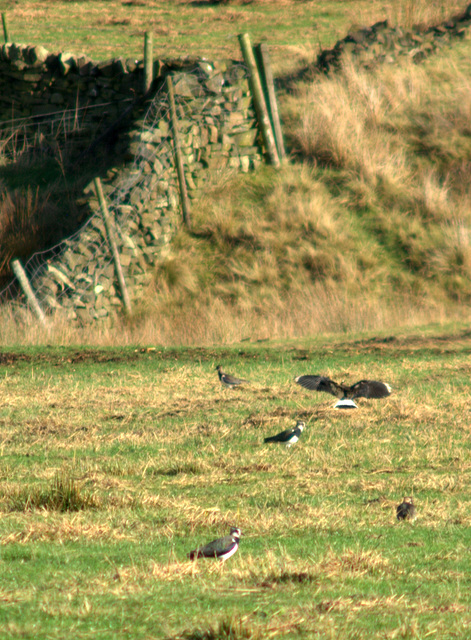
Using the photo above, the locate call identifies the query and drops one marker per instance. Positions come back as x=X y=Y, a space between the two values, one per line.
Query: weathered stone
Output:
x=37 y=55
x=215 y=83
x=106 y=68
x=186 y=85
x=246 y=138
x=84 y=65
x=15 y=52
x=60 y=275
x=125 y=259
x=66 y=62
x=32 y=77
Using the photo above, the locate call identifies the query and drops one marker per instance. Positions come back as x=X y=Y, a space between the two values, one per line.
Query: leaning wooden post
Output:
x=5 y=28
x=259 y=100
x=148 y=62
x=263 y=59
x=20 y=273
x=113 y=247
x=178 y=155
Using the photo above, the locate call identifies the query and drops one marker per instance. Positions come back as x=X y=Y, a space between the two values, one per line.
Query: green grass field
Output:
x=115 y=463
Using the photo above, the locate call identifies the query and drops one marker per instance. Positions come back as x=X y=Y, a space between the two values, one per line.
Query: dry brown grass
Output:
x=24 y=219
x=424 y=12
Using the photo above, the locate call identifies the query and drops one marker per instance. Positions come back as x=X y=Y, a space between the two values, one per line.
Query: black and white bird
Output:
x=227 y=380
x=346 y=394
x=222 y=548
x=406 y=510
x=289 y=436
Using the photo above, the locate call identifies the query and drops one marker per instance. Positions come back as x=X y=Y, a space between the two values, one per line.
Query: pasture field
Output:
x=115 y=462
x=294 y=30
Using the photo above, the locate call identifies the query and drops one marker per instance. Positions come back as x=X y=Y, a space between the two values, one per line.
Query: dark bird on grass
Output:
x=406 y=510
x=222 y=548
x=227 y=380
x=289 y=436
x=361 y=389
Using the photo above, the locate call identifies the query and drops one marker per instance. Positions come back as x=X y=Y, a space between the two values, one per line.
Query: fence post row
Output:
x=20 y=273
x=178 y=155
x=259 y=100
x=264 y=65
x=112 y=245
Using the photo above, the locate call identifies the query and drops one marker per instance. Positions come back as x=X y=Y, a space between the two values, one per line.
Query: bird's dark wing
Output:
x=401 y=512
x=228 y=379
x=281 y=437
x=321 y=383
x=214 y=549
x=369 y=389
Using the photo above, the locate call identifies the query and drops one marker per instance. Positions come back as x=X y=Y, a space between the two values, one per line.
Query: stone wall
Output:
x=382 y=43
x=63 y=90
x=217 y=129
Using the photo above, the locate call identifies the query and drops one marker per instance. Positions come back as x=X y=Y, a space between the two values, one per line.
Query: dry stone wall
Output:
x=63 y=92
x=217 y=129
x=382 y=43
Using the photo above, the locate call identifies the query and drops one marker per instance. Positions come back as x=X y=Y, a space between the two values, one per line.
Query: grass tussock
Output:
x=234 y=628
x=64 y=494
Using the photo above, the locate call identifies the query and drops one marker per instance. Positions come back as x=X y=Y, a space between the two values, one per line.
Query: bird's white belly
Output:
x=229 y=553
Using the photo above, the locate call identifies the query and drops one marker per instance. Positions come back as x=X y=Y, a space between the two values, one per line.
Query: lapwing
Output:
x=289 y=436
x=222 y=548
x=361 y=389
x=406 y=510
x=227 y=380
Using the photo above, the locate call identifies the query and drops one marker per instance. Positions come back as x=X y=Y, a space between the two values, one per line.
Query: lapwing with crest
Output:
x=222 y=548
x=345 y=393
x=227 y=380
x=289 y=436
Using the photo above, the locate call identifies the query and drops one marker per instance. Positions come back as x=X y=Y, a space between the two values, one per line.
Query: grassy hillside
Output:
x=368 y=226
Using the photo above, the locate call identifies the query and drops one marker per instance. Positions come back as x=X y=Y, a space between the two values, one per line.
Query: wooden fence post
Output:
x=113 y=247
x=259 y=100
x=28 y=291
x=263 y=60
x=5 y=28
x=178 y=155
x=148 y=61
